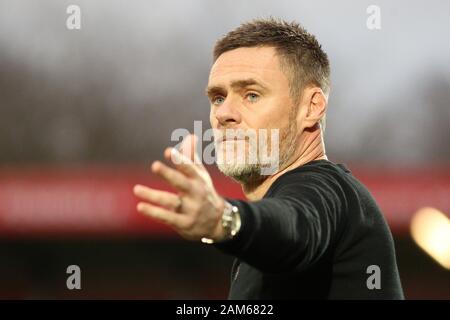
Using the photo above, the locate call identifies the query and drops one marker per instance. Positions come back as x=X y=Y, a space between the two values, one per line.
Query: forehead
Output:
x=261 y=63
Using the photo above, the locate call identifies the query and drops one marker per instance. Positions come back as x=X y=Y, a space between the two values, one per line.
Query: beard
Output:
x=245 y=171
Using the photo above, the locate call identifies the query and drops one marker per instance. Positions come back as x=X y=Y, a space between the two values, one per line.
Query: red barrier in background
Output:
x=99 y=201
x=80 y=201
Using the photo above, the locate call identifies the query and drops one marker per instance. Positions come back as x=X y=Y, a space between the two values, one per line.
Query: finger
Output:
x=190 y=143
x=187 y=146
x=176 y=179
x=162 y=198
x=189 y=149
x=198 y=161
x=181 y=162
x=170 y=218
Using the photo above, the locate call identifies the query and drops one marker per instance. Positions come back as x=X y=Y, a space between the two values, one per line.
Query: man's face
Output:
x=248 y=90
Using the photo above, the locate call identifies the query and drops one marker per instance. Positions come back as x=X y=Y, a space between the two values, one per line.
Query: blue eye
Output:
x=252 y=97
x=218 y=100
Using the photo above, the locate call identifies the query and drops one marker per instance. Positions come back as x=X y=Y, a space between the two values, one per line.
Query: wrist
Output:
x=228 y=226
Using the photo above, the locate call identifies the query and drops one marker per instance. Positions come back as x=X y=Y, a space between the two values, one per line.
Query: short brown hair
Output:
x=301 y=55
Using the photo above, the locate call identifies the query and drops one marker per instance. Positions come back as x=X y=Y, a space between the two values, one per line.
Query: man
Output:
x=309 y=229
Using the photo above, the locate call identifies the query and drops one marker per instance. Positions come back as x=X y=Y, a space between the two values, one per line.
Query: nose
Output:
x=227 y=114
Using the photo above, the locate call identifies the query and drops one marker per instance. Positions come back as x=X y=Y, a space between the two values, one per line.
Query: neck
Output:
x=311 y=148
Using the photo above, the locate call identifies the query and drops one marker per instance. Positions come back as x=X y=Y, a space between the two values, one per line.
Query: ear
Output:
x=316 y=106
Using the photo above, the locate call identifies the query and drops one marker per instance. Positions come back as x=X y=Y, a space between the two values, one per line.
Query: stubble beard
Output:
x=249 y=173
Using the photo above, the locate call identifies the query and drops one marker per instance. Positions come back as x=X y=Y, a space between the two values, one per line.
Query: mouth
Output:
x=224 y=139
x=231 y=135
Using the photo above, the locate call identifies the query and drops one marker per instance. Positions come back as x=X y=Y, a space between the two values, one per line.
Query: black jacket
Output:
x=316 y=234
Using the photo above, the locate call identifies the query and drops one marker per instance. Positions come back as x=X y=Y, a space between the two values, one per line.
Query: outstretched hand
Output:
x=196 y=210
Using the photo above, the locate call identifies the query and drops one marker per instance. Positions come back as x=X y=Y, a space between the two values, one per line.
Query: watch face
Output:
x=236 y=221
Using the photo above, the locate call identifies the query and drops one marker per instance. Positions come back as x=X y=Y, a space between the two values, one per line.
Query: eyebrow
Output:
x=237 y=84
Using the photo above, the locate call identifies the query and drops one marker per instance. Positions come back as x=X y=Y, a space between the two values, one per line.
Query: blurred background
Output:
x=84 y=112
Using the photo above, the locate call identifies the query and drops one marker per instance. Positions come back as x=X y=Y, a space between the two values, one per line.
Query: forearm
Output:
x=280 y=234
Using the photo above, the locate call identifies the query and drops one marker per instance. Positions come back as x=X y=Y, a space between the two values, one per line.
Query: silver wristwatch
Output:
x=231 y=222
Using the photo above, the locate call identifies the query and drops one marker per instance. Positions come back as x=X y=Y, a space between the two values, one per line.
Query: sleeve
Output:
x=291 y=229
